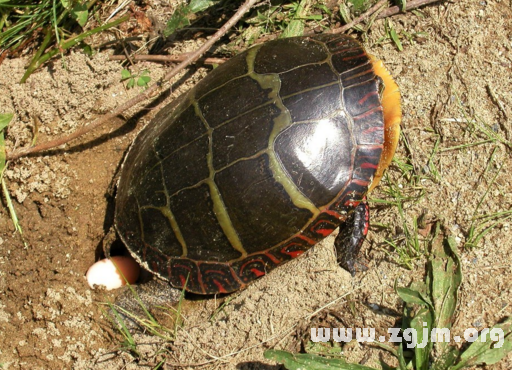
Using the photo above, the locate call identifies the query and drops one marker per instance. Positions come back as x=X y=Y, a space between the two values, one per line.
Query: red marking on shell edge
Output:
x=307 y=240
x=200 y=279
x=154 y=266
x=185 y=267
x=257 y=272
x=352 y=203
x=220 y=287
x=183 y=280
x=273 y=258
x=333 y=213
x=368 y=113
x=373 y=129
x=366 y=97
x=293 y=254
x=343 y=49
x=324 y=232
x=249 y=262
x=318 y=222
x=368 y=165
x=360 y=183
x=214 y=272
x=354 y=57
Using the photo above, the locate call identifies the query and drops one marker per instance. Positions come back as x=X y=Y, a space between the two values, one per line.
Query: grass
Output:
x=408 y=247
x=60 y=23
x=476 y=127
x=427 y=304
x=147 y=324
x=5 y=119
x=220 y=309
x=410 y=188
x=477 y=132
x=482 y=225
x=287 y=18
x=391 y=34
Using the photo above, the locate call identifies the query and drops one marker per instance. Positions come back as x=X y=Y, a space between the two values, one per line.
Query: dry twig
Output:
x=186 y=60
x=361 y=18
x=166 y=58
x=411 y=4
x=151 y=91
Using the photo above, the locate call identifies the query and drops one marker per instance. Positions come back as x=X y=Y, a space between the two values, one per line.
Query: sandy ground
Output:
x=451 y=80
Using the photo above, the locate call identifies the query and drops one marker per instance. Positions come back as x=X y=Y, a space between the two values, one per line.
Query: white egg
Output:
x=104 y=272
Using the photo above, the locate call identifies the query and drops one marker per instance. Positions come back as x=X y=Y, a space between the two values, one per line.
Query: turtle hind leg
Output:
x=351 y=237
x=136 y=302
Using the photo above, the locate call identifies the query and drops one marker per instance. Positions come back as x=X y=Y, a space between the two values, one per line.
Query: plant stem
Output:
x=36 y=63
x=142 y=96
x=411 y=4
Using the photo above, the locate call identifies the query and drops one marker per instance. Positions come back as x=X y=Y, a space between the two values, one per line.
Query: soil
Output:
x=455 y=78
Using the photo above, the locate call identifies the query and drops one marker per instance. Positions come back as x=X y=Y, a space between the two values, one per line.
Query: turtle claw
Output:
x=351 y=238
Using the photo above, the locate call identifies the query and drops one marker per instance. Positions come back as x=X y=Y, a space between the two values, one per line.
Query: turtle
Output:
x=266 y=156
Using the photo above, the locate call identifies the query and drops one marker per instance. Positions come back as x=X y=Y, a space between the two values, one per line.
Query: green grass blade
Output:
x=12 y=211
x=310 y=362
x=422 y=324
x=178 y=20
x=297 y=24
x=487 y=351
x=396 y=39
x=129 y=342
x=402 y=363
x=5 y=119
x=446 y=278
x=33 y=63
x=36 y=63
x=414 y=317
x=412 y=296
x=181 y=16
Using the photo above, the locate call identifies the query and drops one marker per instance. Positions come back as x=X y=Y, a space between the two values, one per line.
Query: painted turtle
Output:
x=266 y=156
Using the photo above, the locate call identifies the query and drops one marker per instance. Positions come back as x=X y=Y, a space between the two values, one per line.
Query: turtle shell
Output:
x=263 y=158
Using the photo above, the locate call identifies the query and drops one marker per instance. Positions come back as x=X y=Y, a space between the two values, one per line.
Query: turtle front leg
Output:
x=351 y=238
